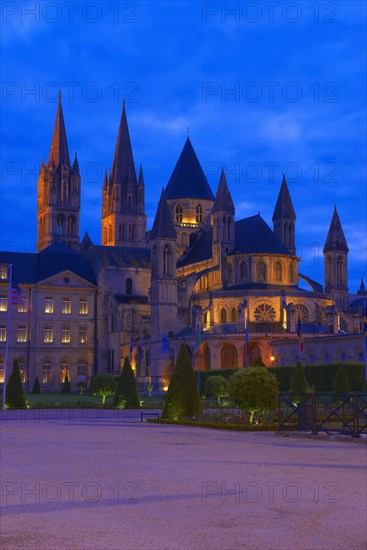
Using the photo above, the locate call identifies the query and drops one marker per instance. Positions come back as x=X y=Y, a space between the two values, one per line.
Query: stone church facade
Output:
x=228 y=289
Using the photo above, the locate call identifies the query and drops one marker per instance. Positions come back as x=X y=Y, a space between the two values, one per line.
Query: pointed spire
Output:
x=59 y=152
x=141 y=177
x=335 y=239
x=105 y=180
x=362 y=288
x=76 y=163
x=123 y=168
x=188 y=179
x=223 y=200
x=284 y=206
x=163 y=225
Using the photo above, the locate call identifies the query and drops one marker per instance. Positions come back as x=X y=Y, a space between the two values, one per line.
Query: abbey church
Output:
x=227 y=288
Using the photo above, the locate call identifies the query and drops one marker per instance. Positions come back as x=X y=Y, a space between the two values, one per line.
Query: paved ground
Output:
x=83 y=481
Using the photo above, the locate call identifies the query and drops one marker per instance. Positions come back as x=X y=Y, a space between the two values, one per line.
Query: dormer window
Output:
x=178 y=213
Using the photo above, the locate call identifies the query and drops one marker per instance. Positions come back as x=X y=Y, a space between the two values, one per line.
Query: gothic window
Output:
x=234 y=315
x=261 y=272
x=71 y=225
x=278 y=272
x=301 y=313
x=199 y=213
x=229 y=357
x=178 y=213
x=223 y=315
x=339 y=265
x=166 y=259
x=129 y=286
x=46 y=372
x=243 y=271
x=59 y=224
x=121 y=231
x=264 y=312
x=229 y=224
x=131 y=232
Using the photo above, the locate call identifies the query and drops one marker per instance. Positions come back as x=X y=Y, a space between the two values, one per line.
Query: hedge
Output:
x=215 y=425
x=322 y=376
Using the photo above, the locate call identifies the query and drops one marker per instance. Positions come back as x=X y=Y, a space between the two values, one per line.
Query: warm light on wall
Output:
x=165 y=388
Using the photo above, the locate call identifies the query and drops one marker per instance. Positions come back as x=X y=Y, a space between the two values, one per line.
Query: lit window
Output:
x=66 y=305
x=82 y=335
x=2 y=370
x=3 y=272
x=2 y=333
x=22 y=333
x=199 y=213
x=46 y=372
x=3 y=302
x=22 y=305
x=178 y=213
x=83 y=306
x=48 y=334
x=65 y=335
x=49 y=305
x=64 y=370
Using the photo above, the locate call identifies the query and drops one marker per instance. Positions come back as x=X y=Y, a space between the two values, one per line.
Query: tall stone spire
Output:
x=335 y=239
x=123 y=205
x=163 y=227
x=284 y=218
x=59 y=152
x=223 y=199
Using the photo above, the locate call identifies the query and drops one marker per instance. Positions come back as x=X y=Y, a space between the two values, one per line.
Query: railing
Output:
x=331 y=413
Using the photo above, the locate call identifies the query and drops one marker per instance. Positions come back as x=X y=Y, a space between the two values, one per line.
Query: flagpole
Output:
x=7 y=334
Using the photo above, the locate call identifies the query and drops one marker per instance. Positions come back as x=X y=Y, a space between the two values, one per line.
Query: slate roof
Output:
x=284 y=206
x=123 y=299
x=253 y=235
x=188 y=179
x=163 y=224
x=31 y=268
x=201 y=249
x=223 y=200
x=120 y=256
x=335 y=239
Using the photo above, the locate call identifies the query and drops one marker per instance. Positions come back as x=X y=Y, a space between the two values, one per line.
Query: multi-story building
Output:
x=228 y=289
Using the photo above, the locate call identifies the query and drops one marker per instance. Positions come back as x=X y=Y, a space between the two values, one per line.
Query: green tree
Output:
x=36 y=386
x=183 y=398
x=254 y=389
x=217 y=386
x=15 y=395
x=341 y=382
x=126 y=390
x=299 y=384
x=103 y=385
x=82 y=386
x=66 y=387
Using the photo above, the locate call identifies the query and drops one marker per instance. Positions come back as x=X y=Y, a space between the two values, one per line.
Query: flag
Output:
x=16 y=293
x=300 y=335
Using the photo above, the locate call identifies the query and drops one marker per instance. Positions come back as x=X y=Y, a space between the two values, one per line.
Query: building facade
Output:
x=228 y=289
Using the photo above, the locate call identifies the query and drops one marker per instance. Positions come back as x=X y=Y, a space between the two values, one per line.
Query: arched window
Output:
x=64 y=370
x=228 y=357
x=178 y=213
x=129 y=286
x=233 y=315
x=131 y=232
x=302 y=313
x=261 y=272
x=243 y=271
x=199 y=213
x=223 y=315
x=339 y=265
x=166 y=259
x=278 y=272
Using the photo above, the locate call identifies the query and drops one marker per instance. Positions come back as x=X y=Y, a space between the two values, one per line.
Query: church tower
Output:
x=123 y=206
x=58 y=204
x=223 y=226
x=284 y=219
x=163 y=286
x=336 y=263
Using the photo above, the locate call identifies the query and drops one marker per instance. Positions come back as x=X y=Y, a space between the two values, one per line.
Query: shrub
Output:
x=183 y=399
x=103 y=385
x=126 y=394
x=299 y=384
x=254 y=389
x=82 y=386
x=217 y=386
x=36 y=386
x=341 y=383
x=15 y=395
x=66 y=387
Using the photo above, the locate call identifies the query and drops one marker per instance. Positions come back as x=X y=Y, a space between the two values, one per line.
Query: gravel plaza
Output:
x=92 y=479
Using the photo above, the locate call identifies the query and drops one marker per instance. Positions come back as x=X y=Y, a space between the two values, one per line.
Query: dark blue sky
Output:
x=264 y=87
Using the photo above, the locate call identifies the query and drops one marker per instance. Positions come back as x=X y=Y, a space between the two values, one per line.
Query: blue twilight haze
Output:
x=262 y=87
